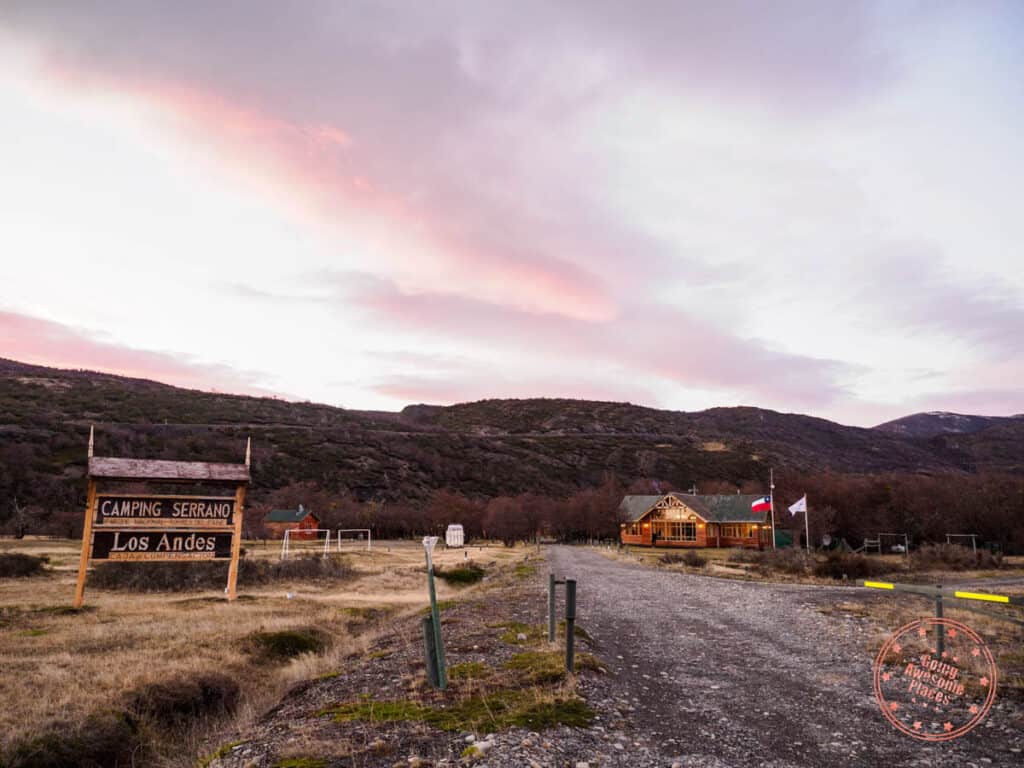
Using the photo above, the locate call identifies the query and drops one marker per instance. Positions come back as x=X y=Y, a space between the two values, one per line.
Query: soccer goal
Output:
x=301 y=544
x=355 y=536
x=972 y=536
x=871 y=545
x=897 y=543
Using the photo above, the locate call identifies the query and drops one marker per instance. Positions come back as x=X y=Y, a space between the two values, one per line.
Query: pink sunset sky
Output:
x=802 y=205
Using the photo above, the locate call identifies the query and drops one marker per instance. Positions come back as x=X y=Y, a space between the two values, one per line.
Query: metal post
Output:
x=430 y=650
x=551 y=607
x=435 y=616
x=429 y=542
x=570 y=625
x=940 y=633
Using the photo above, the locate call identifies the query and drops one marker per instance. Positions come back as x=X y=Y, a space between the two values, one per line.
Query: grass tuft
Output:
x=524 y=571
x=17 y=565
x=183 y=699
x=469 y=670
x=486 y=713
x=108 y=740
x=218 y=753
x=467 y=573
x=287 y=643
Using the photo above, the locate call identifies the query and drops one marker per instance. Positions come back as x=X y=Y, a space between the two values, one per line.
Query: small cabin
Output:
x=455 y=536
x=693 y=520
x=299 y=520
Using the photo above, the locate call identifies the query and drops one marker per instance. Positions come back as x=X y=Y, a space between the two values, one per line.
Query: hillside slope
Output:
x=483 y=449
x=936 y=423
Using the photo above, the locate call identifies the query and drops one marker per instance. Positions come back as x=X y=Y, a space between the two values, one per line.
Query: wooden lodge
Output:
x=280 y=520
x=693 y=520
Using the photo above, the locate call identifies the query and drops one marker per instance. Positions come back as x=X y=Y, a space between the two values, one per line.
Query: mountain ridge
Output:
x=551 y=446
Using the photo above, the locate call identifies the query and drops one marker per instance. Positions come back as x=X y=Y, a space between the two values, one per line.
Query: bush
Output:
x=287 y=644
x=176 y=702
x=195 y=576
x=109 y=740
x=691 y=558
x=740 y=555
x=952 y=557
x=786 y=560
x=852 y=566
x=468 y=573
x=18 y=565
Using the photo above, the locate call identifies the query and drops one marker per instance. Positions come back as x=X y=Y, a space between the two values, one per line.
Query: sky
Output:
x=808 y=206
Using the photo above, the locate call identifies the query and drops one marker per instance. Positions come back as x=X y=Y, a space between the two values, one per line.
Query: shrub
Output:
x=468 y=573
x=177 y=701
x=740 y=555
x=691 y=558
x=312 y=567
x=287 y=644
x=194 y=576
x=18 y=565
x=786 y=560
x=109 y=740
x=952 y=557
x=852 y=566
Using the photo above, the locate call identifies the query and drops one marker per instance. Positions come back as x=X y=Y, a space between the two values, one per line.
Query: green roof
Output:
x=723 y=507
x=635 y=507
x=287 y=515
x=716 y=508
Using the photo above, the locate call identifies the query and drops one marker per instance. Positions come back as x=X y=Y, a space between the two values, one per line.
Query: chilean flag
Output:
x=763 y=504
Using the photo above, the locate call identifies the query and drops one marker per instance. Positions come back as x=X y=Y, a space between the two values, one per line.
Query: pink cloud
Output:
x=317 y=170
x=43 y=342
x=647 y=342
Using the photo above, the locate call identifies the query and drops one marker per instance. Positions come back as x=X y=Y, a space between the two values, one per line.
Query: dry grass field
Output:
x=61 y=666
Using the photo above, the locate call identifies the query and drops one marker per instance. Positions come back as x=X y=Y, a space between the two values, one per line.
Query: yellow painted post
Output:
x=83 y=561
x=236 y=543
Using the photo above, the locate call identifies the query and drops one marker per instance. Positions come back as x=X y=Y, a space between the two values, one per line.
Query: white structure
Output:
x=285 y=545
x=356 y=535
x=455 y=536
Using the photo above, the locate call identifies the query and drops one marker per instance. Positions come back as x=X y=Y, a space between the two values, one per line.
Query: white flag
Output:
x=800 y=506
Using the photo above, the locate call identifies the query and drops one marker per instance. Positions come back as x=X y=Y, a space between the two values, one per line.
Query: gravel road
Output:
x=711 y=672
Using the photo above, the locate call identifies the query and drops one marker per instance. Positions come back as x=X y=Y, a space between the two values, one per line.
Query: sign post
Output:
x=165 y=525
x=429 y=542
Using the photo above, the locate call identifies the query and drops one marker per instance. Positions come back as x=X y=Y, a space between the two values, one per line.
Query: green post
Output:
x=435 y=615
x=551 y=607
x=430 y=649
x=570 y=625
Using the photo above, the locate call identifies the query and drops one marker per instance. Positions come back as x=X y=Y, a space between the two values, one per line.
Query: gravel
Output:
x=701 y=673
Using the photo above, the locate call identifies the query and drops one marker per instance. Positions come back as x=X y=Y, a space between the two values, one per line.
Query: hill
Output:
x=935 y=423
x=482 y=449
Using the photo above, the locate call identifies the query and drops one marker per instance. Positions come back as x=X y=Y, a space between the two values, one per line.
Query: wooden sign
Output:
x=175 y=511
x=163 y=526
x=161 y=545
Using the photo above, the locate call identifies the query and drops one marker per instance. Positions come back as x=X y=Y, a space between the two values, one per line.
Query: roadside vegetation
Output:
x=157 y=663
x=930 y=562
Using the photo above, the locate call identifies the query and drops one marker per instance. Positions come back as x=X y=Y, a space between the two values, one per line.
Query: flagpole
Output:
x=807 y=525
x=771 y=501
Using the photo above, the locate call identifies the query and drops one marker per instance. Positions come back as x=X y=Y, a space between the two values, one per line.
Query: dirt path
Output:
x=711 y=672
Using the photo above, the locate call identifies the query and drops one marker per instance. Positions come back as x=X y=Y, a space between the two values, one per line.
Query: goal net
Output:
x=354 y=538
x=304 y=541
